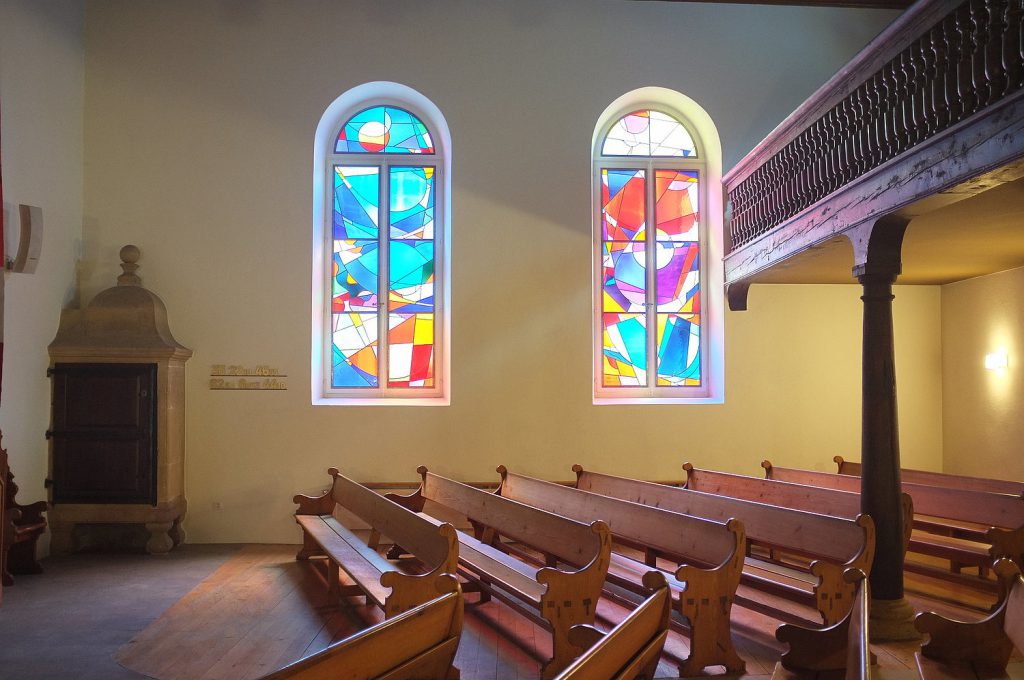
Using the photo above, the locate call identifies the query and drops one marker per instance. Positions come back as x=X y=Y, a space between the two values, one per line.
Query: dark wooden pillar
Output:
x=878 y=265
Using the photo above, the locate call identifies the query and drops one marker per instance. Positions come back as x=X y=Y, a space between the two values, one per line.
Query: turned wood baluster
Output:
x=995 y=74
x=979 y=49
x=871 y=144
x=898 y=95
x=882 y=122
x=845 y=116
x=965 y=66
x=1013 y=41
x=816 y=190
x=914 y=62
x=775 y=199
x=935 y=79
x=835 y=155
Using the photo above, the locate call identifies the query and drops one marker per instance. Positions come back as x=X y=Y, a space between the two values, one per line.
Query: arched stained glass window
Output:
x=384 y=329
x=649 y=325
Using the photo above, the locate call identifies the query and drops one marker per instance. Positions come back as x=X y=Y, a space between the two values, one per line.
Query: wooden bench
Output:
x=383 y=582
x=817 y=499
x=838 y=651
x=418 y=644
x=20 y=531
x=979 y=649
x=833 y=544
x=556 y=597
x=852 y=468
x=1000 y=515
x=703 y=586
x=631 y=649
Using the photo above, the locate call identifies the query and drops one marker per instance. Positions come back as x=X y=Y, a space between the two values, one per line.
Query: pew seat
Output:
x=958 y=650
x=558 y=596
x=384 y=583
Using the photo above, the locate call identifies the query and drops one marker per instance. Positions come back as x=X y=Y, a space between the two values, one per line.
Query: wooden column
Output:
x=878 y=265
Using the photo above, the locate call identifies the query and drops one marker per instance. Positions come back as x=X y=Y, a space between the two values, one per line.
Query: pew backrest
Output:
x=1012 y=488
x=419 y=644
x=966 y=505
x=434 y=546
x=703 y=542
x=633 y=647
x=573 y=542
x=833 y=538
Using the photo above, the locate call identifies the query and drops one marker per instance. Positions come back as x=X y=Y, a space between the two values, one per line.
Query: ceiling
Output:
x=979 y=235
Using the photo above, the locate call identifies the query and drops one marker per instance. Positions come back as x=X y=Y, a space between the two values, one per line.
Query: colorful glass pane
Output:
x=625 y=350
x=356 y=202
x=678 y=350
x=623 y=204
x=354 y=344
x=677 y=280
x=354 y=276
x=410 y=350
x=625 y=276
x=648 y=133
x=412 y=276
x=384 y=129
x=412 y=203
x=675 y=205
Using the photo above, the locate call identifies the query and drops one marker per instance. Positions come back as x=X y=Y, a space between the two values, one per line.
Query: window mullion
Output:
x=651 y=247
x=384 y=276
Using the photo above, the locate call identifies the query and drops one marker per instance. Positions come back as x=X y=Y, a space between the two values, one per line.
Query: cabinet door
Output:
x=104 y=433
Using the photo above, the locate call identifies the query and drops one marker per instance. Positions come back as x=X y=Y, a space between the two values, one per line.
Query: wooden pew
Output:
x=631 y=649
x=557 y=598
x=834 y=544
x=418 y=644
x=383 y=583
x=979 y=649
x=1000 y=514
x=703 y=587
x=838 y=651
x=852 y=468
x=817 y=499
x=22 y=526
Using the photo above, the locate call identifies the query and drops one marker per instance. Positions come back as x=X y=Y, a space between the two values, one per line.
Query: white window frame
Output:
x=707 y=163
x=325 y=160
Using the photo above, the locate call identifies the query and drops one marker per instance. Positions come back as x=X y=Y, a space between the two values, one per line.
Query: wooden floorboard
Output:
x=262 y=609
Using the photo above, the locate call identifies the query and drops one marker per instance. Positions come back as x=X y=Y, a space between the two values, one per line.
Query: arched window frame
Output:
x=708 y=162
x=324 y=158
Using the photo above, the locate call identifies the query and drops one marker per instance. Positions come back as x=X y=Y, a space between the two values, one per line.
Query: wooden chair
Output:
x=629 y=651
x=22 y=526
x=709 y=553
x=384 y=583
x=557 y=596
x=979 y=649
x=840 y=651
x=418 y=644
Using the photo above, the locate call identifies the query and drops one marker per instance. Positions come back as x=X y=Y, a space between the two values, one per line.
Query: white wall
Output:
x=199 y=121
x=41 y=80
x=983 y=425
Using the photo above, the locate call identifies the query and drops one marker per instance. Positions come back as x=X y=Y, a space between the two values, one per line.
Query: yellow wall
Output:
x=983 y=426
x=199 y=122
x=41 y=78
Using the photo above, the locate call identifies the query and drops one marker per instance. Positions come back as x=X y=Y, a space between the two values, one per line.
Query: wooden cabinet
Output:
x=104 y=427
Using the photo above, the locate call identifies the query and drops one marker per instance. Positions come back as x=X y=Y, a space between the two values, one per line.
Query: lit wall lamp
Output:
x=995 y=361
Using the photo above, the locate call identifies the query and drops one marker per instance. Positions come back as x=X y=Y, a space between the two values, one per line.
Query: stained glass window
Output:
x=648 y=174
x=383 y=310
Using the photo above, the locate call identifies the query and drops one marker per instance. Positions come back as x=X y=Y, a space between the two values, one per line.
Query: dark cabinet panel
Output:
x=104 y=433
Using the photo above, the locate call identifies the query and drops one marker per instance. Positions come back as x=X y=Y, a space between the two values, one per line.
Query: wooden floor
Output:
x=262 y=610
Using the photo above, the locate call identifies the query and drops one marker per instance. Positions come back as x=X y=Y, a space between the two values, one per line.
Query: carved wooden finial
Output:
x=129 y=263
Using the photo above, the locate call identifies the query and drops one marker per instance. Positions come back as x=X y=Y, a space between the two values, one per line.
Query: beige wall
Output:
x=983 y=427
x=41 y=78
x=199 y=122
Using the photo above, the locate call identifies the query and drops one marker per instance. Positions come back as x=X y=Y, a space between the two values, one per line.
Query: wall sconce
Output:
x=995 y=361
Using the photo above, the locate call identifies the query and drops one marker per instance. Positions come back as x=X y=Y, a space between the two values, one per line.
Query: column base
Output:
x=892 y=620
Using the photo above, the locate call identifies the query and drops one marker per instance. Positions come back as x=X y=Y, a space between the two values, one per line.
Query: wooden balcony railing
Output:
x=937 y=65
